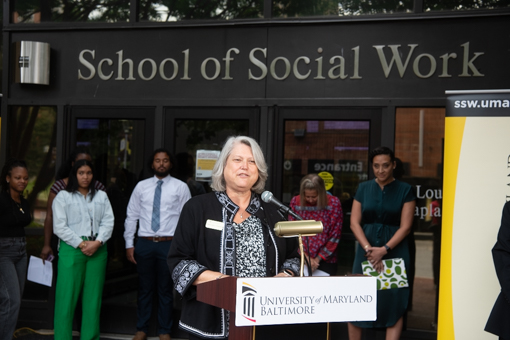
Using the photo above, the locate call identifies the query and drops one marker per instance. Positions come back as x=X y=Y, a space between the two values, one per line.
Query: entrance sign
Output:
x=476 y=186
x=276 y=301
x=328 y=179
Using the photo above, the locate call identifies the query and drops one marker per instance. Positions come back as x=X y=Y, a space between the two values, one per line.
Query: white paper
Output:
x=205 y=164
x=39 y=272
x=317 y=272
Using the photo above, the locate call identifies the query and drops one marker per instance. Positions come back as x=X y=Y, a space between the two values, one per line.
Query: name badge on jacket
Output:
x=212 y=224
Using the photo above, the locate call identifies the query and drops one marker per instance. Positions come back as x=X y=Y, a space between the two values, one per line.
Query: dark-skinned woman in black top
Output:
x=14 y=216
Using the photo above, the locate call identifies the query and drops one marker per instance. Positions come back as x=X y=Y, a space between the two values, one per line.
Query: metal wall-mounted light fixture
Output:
x=32 y=62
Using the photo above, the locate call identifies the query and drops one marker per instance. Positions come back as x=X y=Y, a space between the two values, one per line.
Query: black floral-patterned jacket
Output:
x=198 y=246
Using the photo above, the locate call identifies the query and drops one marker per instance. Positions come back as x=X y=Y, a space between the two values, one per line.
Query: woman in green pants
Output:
x=83 y=220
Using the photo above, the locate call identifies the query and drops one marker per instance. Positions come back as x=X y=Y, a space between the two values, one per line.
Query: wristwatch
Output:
x=288 y=272
x=387 y=248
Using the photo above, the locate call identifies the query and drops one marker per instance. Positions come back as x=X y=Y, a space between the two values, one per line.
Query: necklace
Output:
x=241 y=214
x=19 y=206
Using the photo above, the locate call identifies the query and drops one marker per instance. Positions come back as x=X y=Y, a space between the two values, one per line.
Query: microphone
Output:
x=267 y=196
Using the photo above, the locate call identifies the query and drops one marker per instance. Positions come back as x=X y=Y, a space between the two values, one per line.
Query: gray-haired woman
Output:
x=234 y=217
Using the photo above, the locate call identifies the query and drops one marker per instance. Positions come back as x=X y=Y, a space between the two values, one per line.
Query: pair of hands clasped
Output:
x=374 y=255
x=89 y=248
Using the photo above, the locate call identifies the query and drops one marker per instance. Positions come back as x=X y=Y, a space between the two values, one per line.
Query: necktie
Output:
x=155 y=207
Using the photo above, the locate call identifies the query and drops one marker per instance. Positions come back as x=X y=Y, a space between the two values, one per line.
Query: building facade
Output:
x=317 y=88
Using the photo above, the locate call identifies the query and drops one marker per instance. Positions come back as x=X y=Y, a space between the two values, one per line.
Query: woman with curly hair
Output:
x=15 y=216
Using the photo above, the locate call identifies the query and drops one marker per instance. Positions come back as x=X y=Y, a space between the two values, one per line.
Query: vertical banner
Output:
x=476 y=186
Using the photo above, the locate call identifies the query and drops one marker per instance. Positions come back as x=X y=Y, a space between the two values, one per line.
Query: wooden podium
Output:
x=320 y=300
x=222 y=293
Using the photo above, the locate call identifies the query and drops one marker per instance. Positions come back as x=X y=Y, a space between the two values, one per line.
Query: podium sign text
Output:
x=275 y=301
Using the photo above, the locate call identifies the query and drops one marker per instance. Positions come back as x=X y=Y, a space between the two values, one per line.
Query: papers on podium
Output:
x=39 y=272
x=317 y=272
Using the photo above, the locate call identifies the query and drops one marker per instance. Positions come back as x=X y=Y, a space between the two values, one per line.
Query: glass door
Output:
x=423 y=128
x=205 y=129
x=189 y=130
x=120 y=141
x=335 y=144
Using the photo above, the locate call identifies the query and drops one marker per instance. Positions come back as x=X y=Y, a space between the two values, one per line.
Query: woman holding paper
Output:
x=83 y=220
x=314 y=203
x=14 y=216
x=228 y=232
x=381 y=218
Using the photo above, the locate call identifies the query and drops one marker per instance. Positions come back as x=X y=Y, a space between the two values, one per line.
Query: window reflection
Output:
x=336 y=150
x=32 y=137
x=461 y=5
x=419 y=143
x=165 y=11
x=201 y=134
x=304 y=8
x=339 y=148
x=70 y=11
x=29 y=12
x=116 y=146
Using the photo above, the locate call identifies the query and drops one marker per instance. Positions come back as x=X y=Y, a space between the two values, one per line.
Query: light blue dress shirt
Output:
x=72 y=214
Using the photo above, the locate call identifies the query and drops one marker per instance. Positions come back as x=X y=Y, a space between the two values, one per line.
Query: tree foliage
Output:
x=32 y=137
x=447 y=5
x=180 y=10
x=72 y=10
x=205 y=9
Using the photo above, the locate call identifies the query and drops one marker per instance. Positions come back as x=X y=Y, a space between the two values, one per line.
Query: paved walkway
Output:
x=338 y=331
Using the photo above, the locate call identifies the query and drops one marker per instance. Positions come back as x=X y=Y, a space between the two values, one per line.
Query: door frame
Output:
x=371 y=114
x=110 y=320
x=113 y=112
x=172 y=114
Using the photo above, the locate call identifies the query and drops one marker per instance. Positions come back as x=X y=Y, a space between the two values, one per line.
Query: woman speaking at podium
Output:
x=381 y=218
x=228 y=232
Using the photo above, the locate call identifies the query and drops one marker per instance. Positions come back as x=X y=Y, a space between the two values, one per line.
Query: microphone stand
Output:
x=285 y=214
x=302 y=269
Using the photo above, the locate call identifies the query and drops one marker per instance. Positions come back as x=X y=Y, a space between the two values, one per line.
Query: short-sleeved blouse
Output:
x=383 y=206
x=381 y=211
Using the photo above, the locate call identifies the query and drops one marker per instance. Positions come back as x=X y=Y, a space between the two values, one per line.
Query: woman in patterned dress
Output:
x=314 y=203
x=228 y=232
x=381 y=218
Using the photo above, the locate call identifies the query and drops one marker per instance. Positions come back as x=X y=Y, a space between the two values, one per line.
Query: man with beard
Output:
x=155 y=204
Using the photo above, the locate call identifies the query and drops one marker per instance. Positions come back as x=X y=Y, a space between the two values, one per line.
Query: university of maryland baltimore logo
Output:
x=249 y=294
